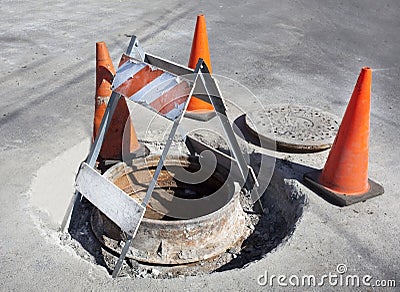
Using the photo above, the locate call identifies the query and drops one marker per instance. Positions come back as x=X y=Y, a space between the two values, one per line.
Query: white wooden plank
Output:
x=109 y=199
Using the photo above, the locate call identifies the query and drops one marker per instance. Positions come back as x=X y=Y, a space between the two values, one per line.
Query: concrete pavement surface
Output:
x=300 y=52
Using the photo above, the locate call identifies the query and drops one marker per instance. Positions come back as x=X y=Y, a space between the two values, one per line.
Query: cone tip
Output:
x=100 y=44
x=102 y=53
x=201 y=18
x=366 y=68
x=366 y=71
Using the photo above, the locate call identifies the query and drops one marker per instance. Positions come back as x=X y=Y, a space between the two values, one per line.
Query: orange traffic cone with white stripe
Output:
x=197 y=108
x=344 y=178
x=113 y=140
x=104 y=74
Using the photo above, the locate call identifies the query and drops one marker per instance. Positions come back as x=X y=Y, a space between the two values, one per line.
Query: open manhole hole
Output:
x=228 y=235
x=293 y=128
x=213 y=218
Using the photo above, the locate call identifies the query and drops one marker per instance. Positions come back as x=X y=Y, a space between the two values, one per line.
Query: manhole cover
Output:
x=294 y=128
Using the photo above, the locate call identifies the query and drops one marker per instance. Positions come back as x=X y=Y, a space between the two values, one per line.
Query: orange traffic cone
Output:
x=104 y=74
x=113 y=140
x=197 y=108
x=344 y=179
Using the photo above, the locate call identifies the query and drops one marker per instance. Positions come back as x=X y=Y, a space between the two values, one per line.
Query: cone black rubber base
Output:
x=203 y=116
x=341 y=200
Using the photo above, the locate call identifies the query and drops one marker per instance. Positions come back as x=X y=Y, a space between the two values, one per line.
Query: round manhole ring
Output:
x=173 y=242
x=293 y=127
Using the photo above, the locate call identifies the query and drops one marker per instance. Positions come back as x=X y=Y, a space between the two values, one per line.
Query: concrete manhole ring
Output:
x=294 y=127
x=165 y=241
x=248 y=238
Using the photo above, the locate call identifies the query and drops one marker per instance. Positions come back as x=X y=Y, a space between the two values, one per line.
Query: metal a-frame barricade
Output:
x=123 y=210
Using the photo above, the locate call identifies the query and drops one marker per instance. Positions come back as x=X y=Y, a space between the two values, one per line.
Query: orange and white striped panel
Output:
x=152 y=87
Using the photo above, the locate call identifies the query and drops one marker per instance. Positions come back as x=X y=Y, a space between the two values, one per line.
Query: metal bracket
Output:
x=134 y=50
x=213 y=95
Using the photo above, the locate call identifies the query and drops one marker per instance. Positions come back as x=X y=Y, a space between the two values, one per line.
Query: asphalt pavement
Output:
x=291 y=51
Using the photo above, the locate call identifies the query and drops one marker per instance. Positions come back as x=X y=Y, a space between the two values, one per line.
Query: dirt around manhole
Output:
x=283 y=203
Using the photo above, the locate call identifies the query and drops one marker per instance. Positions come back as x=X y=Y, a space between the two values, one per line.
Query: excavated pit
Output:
x=258 y=234
x=213 y=219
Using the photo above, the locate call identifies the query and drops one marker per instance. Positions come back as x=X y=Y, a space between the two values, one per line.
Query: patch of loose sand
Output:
x=53 y=185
